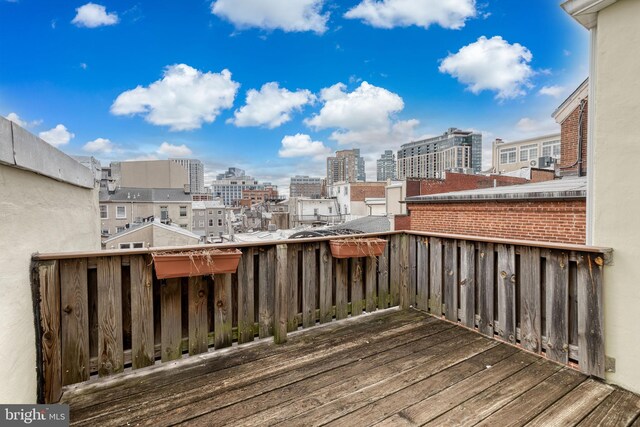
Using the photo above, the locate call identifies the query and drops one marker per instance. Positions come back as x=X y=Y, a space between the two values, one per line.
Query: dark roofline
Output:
x=543 y=196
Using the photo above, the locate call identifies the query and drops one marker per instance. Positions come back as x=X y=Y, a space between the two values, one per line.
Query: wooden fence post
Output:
x=282 y=294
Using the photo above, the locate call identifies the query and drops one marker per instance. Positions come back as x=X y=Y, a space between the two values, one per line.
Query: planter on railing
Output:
x=357 y=248
x=170 y=265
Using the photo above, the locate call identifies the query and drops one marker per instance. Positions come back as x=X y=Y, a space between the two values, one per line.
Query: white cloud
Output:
x=364 y=117
x=183 y=99
x=57 y=136
x=491 y=64
x=527 y=125
x=553 y=91
x=301 y=145
x=285 y=15
x=174 y=150
x=83 y=65
x=16 y=119
x=99 y=145
x=450 y=14
x=271 y=106
x=93 y=15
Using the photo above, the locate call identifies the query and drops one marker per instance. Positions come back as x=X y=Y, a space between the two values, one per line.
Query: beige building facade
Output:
x=150 y=174
x=613 y=199
x=48 y=203
x=526 y=153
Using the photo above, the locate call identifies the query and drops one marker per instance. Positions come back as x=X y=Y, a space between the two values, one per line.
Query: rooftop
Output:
x=393 y=367
x=124 y=194
x=565 y=188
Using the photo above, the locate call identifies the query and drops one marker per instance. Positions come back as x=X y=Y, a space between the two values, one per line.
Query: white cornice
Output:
x=586 y=11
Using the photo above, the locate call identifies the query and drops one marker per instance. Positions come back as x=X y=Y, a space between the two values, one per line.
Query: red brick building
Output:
x=552 y=211
x=251 y=197
x=572 y=117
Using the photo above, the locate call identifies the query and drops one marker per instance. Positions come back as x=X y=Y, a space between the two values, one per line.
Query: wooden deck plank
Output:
x=574 y=406
x=482 y=405
x=536 y=400
x=363 y=367
x=381 y=409
x=440 y=403
x=449 y=355
x=619 y=409
x=94 y=401
x=191 y=394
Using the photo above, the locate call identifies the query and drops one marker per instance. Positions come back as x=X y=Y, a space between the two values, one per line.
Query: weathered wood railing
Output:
x=100 y=313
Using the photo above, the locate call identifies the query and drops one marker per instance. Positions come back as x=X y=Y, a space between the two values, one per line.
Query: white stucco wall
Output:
x=37 y=214
x=616 y=198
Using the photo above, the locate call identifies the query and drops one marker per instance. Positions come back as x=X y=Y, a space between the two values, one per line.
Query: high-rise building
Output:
x=455 y=150
x=148 y=174
x=347 y=166
x=386 y=166
x=230 y=185
x=195 y=171
x=305 y=186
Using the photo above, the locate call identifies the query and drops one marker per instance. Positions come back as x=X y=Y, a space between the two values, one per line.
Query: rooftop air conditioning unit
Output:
x=534 y=163
x=545 y=162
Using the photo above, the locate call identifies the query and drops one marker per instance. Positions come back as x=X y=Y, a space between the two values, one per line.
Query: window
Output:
x=119 y=229
x=183 y=211
x=138 y=245
x=219 y=223
x=183 y=225
x=125 y=246
x=210 y=212
x=508 y=155
x=164 y=213
x=104 y=212
x=105 y=231
x=315 y=211
x=121 y=212
x=219 y=212
x=551 y=149
x=210 y=223
x=330 y=210
x=528 y=152
x=201 y=224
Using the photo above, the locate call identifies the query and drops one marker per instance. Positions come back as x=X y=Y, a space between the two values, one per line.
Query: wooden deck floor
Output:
x=392 y=368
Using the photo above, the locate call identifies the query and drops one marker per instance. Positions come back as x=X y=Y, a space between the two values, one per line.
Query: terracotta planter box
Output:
x=357 y=248
x=196 y=263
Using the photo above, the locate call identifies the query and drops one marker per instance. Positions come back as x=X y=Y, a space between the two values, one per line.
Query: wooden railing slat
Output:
x=49 y=287
x=342 y=282
x=557 y=306
x=485 y=278
x=245 y=297
x=309 y=277
x=422 y=274
x=590 y=315
x=292 y=265
x=370 y=284
x=467 y=283
x=383 y=277
x=75 y=321
x=451 y=280
x=405 y=282
x=266 y=286
x=198 y=309
x=435 y=276
x=413 y=269
x=110 y=345
x=171 y=319
x=394 y=270
x=142 y=345
x=223 y=317
x=326 y=283
x=356 y=286
x=507 y=292
x=530 y=299
x=282 y=293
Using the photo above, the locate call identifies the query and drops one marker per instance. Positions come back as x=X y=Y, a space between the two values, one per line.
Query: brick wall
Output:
x=551 y=221
x=569 y=141
x=363 y=190
x=402 y=222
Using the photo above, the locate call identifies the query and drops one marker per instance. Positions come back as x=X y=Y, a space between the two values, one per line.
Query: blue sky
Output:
x=273 y=86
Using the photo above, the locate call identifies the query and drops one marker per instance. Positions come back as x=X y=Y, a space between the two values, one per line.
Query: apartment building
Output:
x=195 y=174
x=123 y=207
x=148 y=174
x=253 y=196
x=210 y=219
x=540 y=152
x=454 y=150
x=346 y=166
x=573 y=117
x=351 y=197
x=305 y=186
x=386 y=166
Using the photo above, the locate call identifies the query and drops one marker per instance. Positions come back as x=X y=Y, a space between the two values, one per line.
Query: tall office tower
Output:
x=347 y=166
x=195 y=170
x=386 y=166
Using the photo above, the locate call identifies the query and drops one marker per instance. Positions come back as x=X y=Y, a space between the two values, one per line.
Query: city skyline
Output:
x=283 y=90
